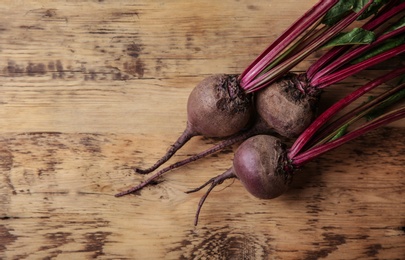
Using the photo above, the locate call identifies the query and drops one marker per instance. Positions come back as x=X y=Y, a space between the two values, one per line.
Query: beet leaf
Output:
x=355 y=36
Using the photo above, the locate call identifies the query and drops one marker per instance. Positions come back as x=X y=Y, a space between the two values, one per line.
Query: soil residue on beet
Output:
x=231 y=97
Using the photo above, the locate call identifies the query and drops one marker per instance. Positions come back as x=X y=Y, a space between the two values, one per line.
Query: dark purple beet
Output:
x=217 y=107
x=261 y=164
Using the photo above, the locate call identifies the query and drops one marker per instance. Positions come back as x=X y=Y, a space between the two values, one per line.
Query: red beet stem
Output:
x=184 y=138
x=273 y=74
x=384 y=15
x=320 y=121
x=325 y=77
x=328 y=130
x=285 y=39
x=311 y=154
x=350 y=70
x=387 y=12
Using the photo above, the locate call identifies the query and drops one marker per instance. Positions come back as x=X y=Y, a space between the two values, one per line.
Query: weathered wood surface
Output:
x=90 y=89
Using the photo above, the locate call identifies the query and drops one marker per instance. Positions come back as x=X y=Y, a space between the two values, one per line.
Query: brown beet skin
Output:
x=218 y=107
x=259 y=165
x=285 y=108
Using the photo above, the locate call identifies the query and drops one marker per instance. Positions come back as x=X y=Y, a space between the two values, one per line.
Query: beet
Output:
x=285 y=107
x=217 y=107
x=261 y=165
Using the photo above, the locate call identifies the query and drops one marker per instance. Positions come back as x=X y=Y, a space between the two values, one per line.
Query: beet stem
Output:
x=384 y=15
x=273 y=74
x=298 y=46
x=320 y=121
x=228 y=174
x=184 y=138
x=355 y=114
x=350 y=70
x=311 y=154
x=324 y=77
x=285 y=39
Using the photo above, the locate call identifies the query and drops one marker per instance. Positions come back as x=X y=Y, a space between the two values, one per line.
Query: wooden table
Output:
x=91 y=89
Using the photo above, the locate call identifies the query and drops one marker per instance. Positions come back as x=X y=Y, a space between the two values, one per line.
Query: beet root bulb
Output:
x=286 y=108
x=261 y=164
x=217 y=107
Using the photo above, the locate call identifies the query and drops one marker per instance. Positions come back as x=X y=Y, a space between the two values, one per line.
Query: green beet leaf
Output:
x=355 y=36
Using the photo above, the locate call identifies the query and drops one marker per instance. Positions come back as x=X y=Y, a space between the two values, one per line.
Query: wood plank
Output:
x=91 y=89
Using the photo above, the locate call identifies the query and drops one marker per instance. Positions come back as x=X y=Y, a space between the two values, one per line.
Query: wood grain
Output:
x=91 y=89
